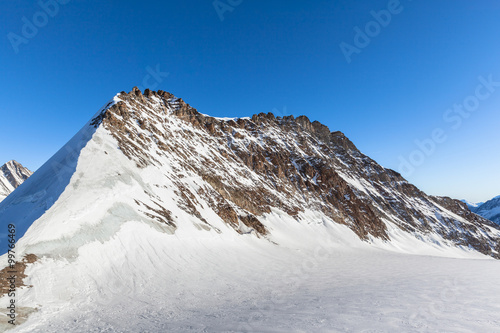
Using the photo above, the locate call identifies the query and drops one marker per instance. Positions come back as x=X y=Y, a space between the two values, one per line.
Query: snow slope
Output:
x=12 y=174
x=212 y=284
x=148 y=221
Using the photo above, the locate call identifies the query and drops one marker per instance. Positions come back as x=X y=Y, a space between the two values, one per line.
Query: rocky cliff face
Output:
x=12 y=174
x=252 y=166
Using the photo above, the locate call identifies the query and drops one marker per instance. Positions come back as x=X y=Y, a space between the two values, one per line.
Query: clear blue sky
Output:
x=263 y=56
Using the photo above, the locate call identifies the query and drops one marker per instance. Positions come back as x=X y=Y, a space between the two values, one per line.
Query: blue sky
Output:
x=270 y=56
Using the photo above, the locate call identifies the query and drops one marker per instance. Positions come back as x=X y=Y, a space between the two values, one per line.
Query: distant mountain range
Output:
x=12 y=174
x=489 y=209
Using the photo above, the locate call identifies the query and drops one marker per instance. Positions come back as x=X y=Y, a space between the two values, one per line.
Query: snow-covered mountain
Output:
x=490 y=210
x=472 y=205
x=12 y=174
x=150 y=191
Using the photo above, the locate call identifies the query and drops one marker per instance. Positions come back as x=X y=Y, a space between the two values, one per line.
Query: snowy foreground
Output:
x=215 y=285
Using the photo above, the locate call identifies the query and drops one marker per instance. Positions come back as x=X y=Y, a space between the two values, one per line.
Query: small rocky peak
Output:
x=148 y=93
x=270 y=116
x=186 y=111
x=135 y=94
x=165 y=95
x=13 y=163
x=340 y=140
x=305 y=123
x=322 y=131
x=262 y=117
x=136 y=91
x=14 y=171
x=317 y=129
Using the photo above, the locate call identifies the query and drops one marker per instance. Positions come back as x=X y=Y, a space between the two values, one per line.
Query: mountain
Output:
x=490 y=210
x=151 y=197
x=12 y=174
x=472 y=205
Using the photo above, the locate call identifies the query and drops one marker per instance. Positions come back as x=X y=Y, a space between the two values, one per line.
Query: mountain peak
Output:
x=152 y=158
x=287 y=163
x=12 y=175
x=13 y=163
x=151 y=181
x=182 y=110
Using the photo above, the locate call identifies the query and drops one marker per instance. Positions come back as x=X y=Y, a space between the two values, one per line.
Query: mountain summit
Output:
x=149 y=179
x=12 y=174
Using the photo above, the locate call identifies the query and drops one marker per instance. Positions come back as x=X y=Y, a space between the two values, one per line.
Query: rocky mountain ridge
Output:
x=224 y=173
x=292 y=164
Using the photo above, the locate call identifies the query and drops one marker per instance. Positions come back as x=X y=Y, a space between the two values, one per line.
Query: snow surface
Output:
x=39 y=192
x=225 y=118
x=159 y=283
